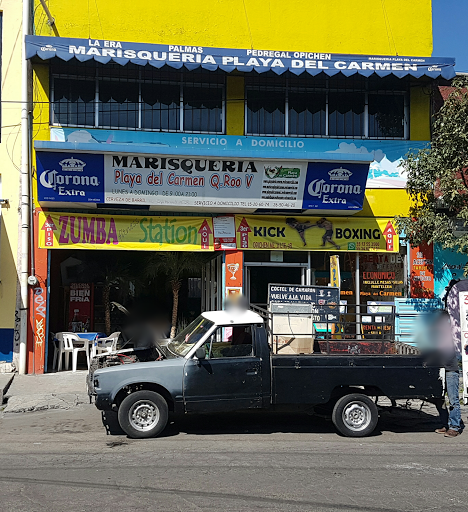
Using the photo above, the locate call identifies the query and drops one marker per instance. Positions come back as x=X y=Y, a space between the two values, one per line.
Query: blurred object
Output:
x=120 y=307
x=174 y=265
x=194 y=287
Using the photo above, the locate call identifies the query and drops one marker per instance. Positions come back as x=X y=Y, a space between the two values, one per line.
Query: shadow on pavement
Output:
x=396 y=420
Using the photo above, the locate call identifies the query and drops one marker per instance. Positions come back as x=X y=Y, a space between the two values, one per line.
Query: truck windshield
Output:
x=185 y=340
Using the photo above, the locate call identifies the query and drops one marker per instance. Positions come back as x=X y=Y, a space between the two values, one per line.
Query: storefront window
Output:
x=266 y=110
x=317 y=107
x=74 y=102
x=307 y=113
x=132 y=98
x=346 y=114
x=118 y=104
x=386 y=115
x=203 y=109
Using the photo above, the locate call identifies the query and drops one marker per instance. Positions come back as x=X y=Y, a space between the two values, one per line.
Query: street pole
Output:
x=25 y=203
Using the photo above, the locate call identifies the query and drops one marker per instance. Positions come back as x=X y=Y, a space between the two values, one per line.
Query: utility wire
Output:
x=388 y=27
x=248 y=24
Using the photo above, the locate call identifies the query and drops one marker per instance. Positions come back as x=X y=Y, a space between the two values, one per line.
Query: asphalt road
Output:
x=63 y=460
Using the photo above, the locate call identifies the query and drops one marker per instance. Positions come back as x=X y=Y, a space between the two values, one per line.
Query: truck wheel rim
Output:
x=143 y=415
x=356 y=416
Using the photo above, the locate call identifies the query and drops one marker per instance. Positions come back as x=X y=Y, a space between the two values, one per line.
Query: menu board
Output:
x=323 y=301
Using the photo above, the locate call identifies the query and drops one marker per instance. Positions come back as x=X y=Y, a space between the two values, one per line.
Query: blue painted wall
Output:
x=6 y=345
x=447 y=265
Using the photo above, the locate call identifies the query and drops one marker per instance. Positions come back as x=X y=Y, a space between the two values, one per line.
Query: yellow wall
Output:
x=385 y=27
x=336 y=26
x=10 y=159
x=420 y=113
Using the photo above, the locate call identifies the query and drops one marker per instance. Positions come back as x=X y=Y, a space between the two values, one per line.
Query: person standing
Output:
x=452 y=424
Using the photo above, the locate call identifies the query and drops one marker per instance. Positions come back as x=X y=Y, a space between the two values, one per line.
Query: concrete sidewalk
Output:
x=62 y=390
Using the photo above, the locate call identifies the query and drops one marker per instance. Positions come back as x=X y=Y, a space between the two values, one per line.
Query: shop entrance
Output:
x=260 y=274
x=109 y=291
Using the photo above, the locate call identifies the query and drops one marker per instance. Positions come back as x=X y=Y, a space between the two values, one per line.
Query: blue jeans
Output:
x=452 y=417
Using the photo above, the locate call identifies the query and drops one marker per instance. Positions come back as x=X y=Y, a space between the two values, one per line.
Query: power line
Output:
x=248 y=24
x=388 y=26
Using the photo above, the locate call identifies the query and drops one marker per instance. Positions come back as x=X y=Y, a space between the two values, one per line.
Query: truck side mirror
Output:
x=200 y=353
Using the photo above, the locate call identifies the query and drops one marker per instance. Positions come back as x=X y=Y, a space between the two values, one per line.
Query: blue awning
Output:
x=193 y=57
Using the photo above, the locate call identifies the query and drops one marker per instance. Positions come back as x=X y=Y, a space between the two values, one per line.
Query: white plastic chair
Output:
x=108 y=344
x=72 y=344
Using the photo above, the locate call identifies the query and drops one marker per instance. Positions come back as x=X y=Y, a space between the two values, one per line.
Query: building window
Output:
x=352 y=107
x=137 y=98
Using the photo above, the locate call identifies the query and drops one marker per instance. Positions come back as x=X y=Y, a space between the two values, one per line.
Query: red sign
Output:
x=389 y=233
x=49 y=227
x=244 y=230
x=422 y=271
x=80 y=307
x=205 y=232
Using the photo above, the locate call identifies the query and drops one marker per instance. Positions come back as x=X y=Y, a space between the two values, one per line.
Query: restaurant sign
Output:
x=121 y=232
x=192 y=57
x=189 y=183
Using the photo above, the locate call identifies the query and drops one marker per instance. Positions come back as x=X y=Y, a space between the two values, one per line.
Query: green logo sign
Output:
x=351 y=246
x=282 y=172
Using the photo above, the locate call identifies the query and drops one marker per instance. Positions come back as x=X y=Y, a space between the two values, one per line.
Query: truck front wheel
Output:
x=143 y=414
x=355 y=415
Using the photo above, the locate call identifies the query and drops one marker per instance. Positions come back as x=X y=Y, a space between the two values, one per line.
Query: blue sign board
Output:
x=333 y=186
x=70 y=178
x=226 y=59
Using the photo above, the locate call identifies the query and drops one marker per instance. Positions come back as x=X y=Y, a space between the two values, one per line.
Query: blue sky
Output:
x=449 y=25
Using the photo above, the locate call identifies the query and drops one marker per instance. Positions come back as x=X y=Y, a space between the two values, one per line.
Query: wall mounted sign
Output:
x=191 y=183
x=421 y=270
x=330 y=186
x=345 y=234
x=382 y=276
x=122 y=232
x=193 y=57
x=323 y=301
x=385 y=156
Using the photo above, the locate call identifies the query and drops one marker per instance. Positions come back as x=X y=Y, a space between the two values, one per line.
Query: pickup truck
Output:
x=223 y=362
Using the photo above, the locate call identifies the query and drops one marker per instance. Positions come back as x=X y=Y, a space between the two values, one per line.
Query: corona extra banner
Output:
x=119 y=232
x=316 y=234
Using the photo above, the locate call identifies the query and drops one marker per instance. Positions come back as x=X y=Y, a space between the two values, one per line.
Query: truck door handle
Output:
x=252 y=371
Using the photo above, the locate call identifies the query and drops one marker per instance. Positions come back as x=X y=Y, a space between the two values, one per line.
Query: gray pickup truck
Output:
x=223 y=362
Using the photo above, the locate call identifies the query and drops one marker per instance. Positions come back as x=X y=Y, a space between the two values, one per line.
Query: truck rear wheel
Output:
x=143 y=414
x=355 y=415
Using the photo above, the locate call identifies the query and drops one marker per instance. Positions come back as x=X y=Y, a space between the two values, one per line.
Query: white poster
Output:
x=224 y=228
x=180 y=181
x=463 y=296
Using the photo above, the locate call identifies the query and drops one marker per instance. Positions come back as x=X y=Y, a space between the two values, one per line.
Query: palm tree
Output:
x=174 y=265
x=112 y=276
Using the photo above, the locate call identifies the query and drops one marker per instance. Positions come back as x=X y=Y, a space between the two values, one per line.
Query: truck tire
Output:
x=355 y=415
x=143 y=414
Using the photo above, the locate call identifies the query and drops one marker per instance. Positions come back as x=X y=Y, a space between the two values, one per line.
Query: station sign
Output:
x=124 y=232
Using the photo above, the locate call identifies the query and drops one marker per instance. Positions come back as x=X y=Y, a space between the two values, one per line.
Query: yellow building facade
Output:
x=10 y=157
x=93 y=96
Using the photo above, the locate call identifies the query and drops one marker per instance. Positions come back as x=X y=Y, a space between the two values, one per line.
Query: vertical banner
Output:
x=335 y=277
x=234 y=274
x=422 y=271
x=463 y=298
